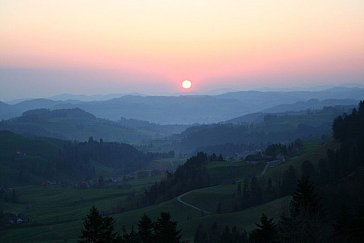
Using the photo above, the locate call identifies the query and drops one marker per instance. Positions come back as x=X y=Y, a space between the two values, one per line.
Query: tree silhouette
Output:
x=166 y=230
x=97 y=229
x=145 y=229
x=306 y=219
x=131 y=237
x=266 y=232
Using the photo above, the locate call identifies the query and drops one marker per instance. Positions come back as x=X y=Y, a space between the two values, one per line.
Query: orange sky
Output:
x=214 y=43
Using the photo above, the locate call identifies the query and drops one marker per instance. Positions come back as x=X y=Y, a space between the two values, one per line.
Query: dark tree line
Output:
x=100 y=229
x=306 y=221
x=289 y=150
x=218 y=234
x=80 y=158
x=249 y=195
x=274 y=129
x=348 y=130
x=191 y=175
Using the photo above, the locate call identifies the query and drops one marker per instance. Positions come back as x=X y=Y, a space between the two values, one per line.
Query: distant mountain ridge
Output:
x=76 y=124
x=258 y=129
x=189 y=109
x=312 y=104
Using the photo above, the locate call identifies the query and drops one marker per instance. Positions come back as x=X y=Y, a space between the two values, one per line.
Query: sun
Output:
x=186 y=84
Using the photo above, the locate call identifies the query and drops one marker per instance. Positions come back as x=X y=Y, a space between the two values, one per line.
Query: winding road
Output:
x=179 y=199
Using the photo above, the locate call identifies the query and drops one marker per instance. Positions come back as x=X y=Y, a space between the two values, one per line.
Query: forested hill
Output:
x=25 y=160
x=269 y=128
x=76 y=124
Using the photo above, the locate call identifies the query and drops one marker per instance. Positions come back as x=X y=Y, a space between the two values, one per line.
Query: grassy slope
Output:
x=62 y=210
x=57 y=212
x=33 y=152
x=189 y=219
x=313 y=151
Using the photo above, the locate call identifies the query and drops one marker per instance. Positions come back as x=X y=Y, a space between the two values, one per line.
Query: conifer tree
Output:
x=306 y=220
x=145 y=229
x=166 y=230
x=97 y=229
x=266 y=232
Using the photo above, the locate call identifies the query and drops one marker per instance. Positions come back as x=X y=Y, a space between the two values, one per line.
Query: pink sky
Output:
x=151 y=46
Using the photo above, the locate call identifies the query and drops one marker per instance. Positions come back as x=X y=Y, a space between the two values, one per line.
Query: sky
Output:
x=95 y=47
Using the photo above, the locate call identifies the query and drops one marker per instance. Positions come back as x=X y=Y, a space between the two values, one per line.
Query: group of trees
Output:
x=191 y=175
x=78 y=158
x=100 y=229
x=306 y=221
x=217 y=234
x=274 y=129
x=348 y=130
x=27 y=160
x=249 y=195
x=289 y=150
x=254 y=191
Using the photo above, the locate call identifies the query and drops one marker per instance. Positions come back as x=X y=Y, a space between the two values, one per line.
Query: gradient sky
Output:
x=49 y=47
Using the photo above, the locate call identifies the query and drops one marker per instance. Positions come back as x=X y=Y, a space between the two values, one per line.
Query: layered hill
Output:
x=76 y=124
x=259 y=129
x=26 y=160
x=191 y=109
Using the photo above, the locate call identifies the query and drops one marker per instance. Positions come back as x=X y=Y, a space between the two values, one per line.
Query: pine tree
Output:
x=97 y=229
x=107 y=229
x=145 y=229
x=306 y=220
x=166 y=230
x=266 y=232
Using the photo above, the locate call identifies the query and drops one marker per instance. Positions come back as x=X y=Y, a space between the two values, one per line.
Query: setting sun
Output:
x=186 y=84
